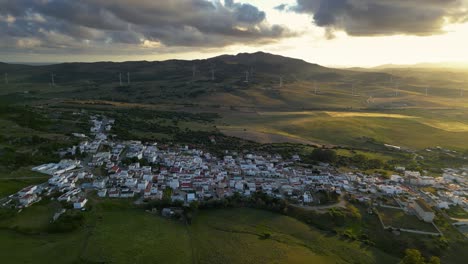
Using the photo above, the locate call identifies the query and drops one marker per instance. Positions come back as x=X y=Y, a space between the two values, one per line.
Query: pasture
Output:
x=411 y=129
x=115 y=232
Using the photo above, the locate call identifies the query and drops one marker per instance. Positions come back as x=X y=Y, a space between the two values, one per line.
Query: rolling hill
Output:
x=241 y=87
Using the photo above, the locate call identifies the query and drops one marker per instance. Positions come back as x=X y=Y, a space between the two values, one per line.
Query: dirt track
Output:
x=262 y=137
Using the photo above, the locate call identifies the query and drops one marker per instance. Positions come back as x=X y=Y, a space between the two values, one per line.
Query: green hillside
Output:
x=435 y=101
x=116 y=233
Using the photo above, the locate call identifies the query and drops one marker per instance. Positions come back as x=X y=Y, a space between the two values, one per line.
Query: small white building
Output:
x=191 y=197
x=423 y=211
x=102 y=193
x=99 y=184
x=131 y=182
x=80 y=203
x=142 y=185
x=307 y=197
x=27 y=199
x=27 y=190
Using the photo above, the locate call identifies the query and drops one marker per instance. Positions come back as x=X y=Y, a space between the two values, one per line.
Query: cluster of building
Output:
x=188 y=174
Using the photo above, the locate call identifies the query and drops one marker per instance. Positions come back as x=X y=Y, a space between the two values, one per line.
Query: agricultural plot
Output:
x=415 y=130
x=397 y=218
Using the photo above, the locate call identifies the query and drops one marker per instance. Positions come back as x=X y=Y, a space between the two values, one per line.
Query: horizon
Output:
x=433 y=64
x=344 y=34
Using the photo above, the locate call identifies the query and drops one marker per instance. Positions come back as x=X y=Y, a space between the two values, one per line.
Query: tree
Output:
x=413 y=256
x=324 y=155
x=434 y=260
x=167 y=194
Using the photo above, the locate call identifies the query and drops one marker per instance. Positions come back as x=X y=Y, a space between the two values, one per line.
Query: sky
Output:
x=328 y=32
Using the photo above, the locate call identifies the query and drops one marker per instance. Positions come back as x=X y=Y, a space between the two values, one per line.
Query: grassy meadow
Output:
x=407 y=128
x=115 y=232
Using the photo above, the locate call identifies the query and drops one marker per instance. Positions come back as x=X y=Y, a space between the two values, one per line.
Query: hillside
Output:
x=173 y=79
x=243 y=87
x=273 y=81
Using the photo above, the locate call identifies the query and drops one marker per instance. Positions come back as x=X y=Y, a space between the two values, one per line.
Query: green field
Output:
x=115 y=232
x=12 y=181
x=397 y=218
x=406 y=128
x=457 y=212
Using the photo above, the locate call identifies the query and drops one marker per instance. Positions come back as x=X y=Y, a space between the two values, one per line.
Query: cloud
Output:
x=145 y=23
x=281 y=7
x=384 y=17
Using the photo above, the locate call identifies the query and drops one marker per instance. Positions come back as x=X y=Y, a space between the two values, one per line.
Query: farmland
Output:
x=118 y=233
x=406 y=128
x=397 y=218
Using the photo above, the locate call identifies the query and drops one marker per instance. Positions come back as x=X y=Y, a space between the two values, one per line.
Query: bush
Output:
x=324 y=155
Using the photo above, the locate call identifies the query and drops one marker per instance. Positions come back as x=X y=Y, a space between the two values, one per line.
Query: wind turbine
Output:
x=246 y=76
x=128 y=78
x=281 y=82
x=212 y=72
x=315 y=87
x=52 y=79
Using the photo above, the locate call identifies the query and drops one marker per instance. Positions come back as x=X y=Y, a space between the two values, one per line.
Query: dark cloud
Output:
x=383 y=17
x=281 y=7
x=184 y=23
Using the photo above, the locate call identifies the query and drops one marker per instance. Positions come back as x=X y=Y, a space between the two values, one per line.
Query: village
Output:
x=131 y=169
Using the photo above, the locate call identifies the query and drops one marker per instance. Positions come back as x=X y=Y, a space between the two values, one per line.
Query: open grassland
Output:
x=290 y=241
x=114 y=232
x=13 y=181
x=413 y=129
x=399 y=219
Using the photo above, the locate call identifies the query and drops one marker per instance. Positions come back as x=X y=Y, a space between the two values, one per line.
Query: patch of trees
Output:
x=181 y=116
x=362 y=162
x=414 y=256
x=324 y=155
x=14 y=159
x=25 y=117
x=327 y=197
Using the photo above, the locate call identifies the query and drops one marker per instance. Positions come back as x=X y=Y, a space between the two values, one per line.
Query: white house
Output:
x=131 y=182
x=423 y=210
x=27 y=190
x=80 y=203
x=142 y=185
x=27 y=199
x=191 y=197
x=307 y=197
x=99 y=184
x=102 y=193
x=174 y=184
x=114 y=193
